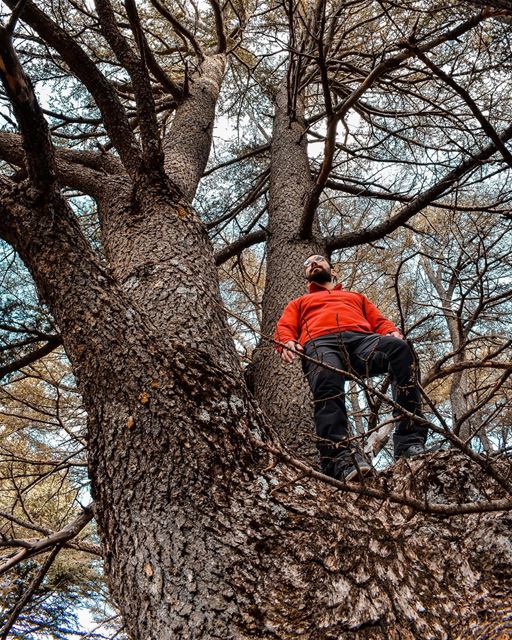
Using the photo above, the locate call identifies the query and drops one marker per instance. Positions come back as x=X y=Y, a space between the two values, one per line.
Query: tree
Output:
x=43 y=469
x=209 y=527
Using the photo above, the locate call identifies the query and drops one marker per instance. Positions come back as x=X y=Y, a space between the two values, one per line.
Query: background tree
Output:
x=208 y=526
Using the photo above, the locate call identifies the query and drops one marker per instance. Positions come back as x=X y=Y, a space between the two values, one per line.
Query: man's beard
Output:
x=320 y=276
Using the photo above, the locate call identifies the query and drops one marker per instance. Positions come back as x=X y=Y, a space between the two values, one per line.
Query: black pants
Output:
x=366 y=354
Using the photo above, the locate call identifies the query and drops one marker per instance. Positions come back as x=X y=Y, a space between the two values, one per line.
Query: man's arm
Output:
x=378 y=322
x=287 y=332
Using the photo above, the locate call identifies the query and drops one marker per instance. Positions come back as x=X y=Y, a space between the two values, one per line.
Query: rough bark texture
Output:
x=281 y=389
x=160 y=254
x=187 y=146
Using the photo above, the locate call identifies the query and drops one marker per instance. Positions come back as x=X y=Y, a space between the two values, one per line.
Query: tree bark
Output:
x=187 y=146
x=281 y=389
x=160 y=254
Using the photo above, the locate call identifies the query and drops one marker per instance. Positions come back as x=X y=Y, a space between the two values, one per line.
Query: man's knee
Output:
x=399 y=351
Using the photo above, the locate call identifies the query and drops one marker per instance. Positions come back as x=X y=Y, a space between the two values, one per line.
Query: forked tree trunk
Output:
x=205 y=534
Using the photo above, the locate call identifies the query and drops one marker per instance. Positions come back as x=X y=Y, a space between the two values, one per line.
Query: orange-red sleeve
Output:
x=288 y=324
x=377 y=321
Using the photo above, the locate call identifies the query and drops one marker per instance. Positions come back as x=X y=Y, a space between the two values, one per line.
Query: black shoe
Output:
x=412 y=451
x=351 y=465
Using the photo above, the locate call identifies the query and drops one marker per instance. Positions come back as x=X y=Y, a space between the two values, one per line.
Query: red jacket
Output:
x=321 y=311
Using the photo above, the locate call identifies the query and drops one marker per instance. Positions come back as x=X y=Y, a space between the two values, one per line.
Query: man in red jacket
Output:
x=346 y=331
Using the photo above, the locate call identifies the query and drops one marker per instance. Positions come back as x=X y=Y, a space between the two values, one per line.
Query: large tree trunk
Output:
x=280 y=389
x=205 y=533
x=160 y=254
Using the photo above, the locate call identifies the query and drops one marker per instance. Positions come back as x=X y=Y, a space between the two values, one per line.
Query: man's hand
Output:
x=396 y=334
x=288 y=355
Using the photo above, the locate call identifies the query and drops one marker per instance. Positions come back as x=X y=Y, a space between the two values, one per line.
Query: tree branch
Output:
x=34 y=548
x=136 y=68
x=506 y=5
x=31 y=357
x=167 y=83
x=114 y=115
x=485 y=124
x=34 y=128
x=422 y=506
x=248 y=199
x=244 y=156
x=421 y=201
x=332 y=122
x=34 y=585
x=437 y=374
x=239 y=245
x=219 y=26
x=16 y=13
x=188 y=141
x=83 y=170
x=180 y=29
x=364 y=192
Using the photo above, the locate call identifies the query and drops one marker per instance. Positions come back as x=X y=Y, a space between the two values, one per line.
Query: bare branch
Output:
x=149 y=131
x=422 y=200
x=247 y=200
x=179 y=28
x=13 y=20
x=34 y=585
x=147 y=55
x=32 y=357
x=64 y=537
x=34 y=128
x=379 y=71
x=237 y=247
x=364 y=192
x=219 y=25
x=461 y=366
x=114 y=115
x=506 y=5
x=422 y=506
x=244 y=156
x=486 y=125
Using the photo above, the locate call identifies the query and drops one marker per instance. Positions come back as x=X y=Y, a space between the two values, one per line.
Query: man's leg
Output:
x=377 y=354
x=328 y=388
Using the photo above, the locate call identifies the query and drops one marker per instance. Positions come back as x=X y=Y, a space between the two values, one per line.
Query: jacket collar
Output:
x=313 y=287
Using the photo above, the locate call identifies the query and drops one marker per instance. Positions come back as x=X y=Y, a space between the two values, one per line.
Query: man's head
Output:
x=318 y=269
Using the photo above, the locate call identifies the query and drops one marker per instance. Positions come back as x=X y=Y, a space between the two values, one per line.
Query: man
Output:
x=345 y=330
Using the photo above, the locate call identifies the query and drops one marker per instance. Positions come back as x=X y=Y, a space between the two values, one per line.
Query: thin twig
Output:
x=34 y=585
